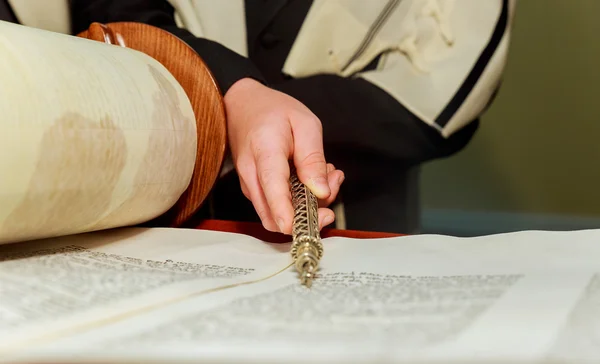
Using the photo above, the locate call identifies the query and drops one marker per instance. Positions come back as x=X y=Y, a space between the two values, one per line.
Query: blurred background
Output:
x=534 y=163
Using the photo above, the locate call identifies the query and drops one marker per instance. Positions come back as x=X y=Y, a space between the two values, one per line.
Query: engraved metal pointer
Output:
x=307 y=249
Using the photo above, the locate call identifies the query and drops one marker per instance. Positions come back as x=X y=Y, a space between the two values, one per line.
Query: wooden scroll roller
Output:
x=201 y=89
x=123 y=128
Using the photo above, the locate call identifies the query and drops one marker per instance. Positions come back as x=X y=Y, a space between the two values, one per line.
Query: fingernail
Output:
x=320 y=186
x=327 y=220
x=341 y=179
x=280 y=224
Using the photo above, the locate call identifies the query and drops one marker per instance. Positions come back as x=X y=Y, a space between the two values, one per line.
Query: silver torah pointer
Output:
x=307 y=248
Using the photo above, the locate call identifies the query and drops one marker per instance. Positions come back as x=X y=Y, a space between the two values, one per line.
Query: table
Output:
x=256 y=230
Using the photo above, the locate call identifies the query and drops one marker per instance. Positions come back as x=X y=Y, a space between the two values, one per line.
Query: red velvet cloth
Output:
x=258 y=231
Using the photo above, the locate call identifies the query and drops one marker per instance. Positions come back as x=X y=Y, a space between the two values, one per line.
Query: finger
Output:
x=262 y=209
x=309 y=157
x=326 y=217
x=249 y=180
x=273 y=172
x=330 y=168
x=335 y=180
x=245 y=167
x=244 y=188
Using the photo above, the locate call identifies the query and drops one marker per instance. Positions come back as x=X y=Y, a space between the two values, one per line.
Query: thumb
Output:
x=313 y=173
x=309 y=158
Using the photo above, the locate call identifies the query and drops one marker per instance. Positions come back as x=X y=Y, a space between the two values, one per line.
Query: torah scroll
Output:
x=93 y=136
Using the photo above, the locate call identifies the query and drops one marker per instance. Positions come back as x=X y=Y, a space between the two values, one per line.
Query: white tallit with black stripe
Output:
x=442 y=59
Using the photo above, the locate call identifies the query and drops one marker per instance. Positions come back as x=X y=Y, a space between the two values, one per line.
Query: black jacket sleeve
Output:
x=226 y=65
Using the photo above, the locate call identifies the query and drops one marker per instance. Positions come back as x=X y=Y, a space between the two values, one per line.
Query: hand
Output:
x=266 y=130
